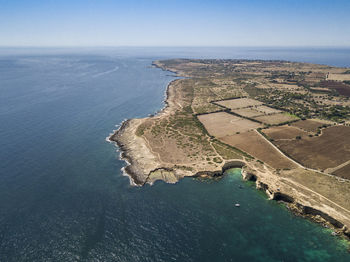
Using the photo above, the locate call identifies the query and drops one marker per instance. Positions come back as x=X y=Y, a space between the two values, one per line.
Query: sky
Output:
x=175 y=23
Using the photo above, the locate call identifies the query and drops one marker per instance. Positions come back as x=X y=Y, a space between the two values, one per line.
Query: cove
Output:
x=216 y=230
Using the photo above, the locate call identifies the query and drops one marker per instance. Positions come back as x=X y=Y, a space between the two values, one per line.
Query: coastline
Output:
x=118 y=137
x=143 y=166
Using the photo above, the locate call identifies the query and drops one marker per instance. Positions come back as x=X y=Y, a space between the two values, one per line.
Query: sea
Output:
x=63 y=196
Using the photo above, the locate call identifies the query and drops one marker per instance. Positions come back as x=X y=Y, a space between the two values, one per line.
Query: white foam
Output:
x=106 y=72
x=114 y=131
x=124 y=173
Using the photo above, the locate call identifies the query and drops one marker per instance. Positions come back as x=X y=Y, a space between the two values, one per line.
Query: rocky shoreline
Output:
x=275 y=190
x=300 y=207
x=128 y=169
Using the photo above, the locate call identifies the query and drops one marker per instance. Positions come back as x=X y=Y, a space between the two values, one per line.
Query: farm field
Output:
x=286 y=87
x=255 y=145
x=248 y=112
x=343 y=172
x=275 y=119
x=338 y=77
x=239 y=103
x=222 y=124
x=281 y=86
x=328 y=150
x=340 y=87
x=267 y=110
x=308 y=125
x=284 y=132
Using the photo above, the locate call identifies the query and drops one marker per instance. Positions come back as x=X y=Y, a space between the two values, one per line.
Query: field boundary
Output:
x=299 y=164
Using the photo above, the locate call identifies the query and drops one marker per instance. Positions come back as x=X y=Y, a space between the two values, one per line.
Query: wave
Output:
x=106 y=72
x=124 y=173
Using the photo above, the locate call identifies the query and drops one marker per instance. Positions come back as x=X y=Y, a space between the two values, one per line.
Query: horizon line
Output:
x=176 y=46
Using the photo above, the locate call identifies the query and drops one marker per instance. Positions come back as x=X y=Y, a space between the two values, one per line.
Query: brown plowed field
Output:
x=257 y=146
x=343 y=172
x=341 y=88
x=308 y=125
x=328 y=150
x=284 y=132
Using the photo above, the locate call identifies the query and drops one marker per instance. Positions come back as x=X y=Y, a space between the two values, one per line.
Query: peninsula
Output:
x=286 y=124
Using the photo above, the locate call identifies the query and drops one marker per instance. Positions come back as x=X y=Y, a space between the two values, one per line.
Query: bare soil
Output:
x=339 y=77
x=224 y=124
x=239 y=103
x=275 y=119
x=267 y=110
x=343 y=172
x=248 y=112
x=340 y=87
x=252 y=143
x=284 y=132
x=308 y=125
x=328 y=150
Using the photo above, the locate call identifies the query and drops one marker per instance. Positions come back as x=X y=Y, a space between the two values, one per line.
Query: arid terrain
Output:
x=286 y=124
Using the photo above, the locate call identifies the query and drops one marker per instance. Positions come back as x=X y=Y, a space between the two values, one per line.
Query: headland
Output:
x=285 y=124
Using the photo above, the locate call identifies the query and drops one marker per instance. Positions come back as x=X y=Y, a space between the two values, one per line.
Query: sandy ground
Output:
x=222 y=124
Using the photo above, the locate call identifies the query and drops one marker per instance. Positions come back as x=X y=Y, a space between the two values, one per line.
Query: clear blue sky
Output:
x=174 y=23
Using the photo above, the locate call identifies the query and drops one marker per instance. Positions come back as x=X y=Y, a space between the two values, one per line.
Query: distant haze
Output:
x=174 y=23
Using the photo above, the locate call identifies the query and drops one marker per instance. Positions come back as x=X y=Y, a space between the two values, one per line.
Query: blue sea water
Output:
x=63 y=196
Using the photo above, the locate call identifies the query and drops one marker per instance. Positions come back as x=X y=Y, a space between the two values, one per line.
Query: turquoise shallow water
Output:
x=63 y=197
